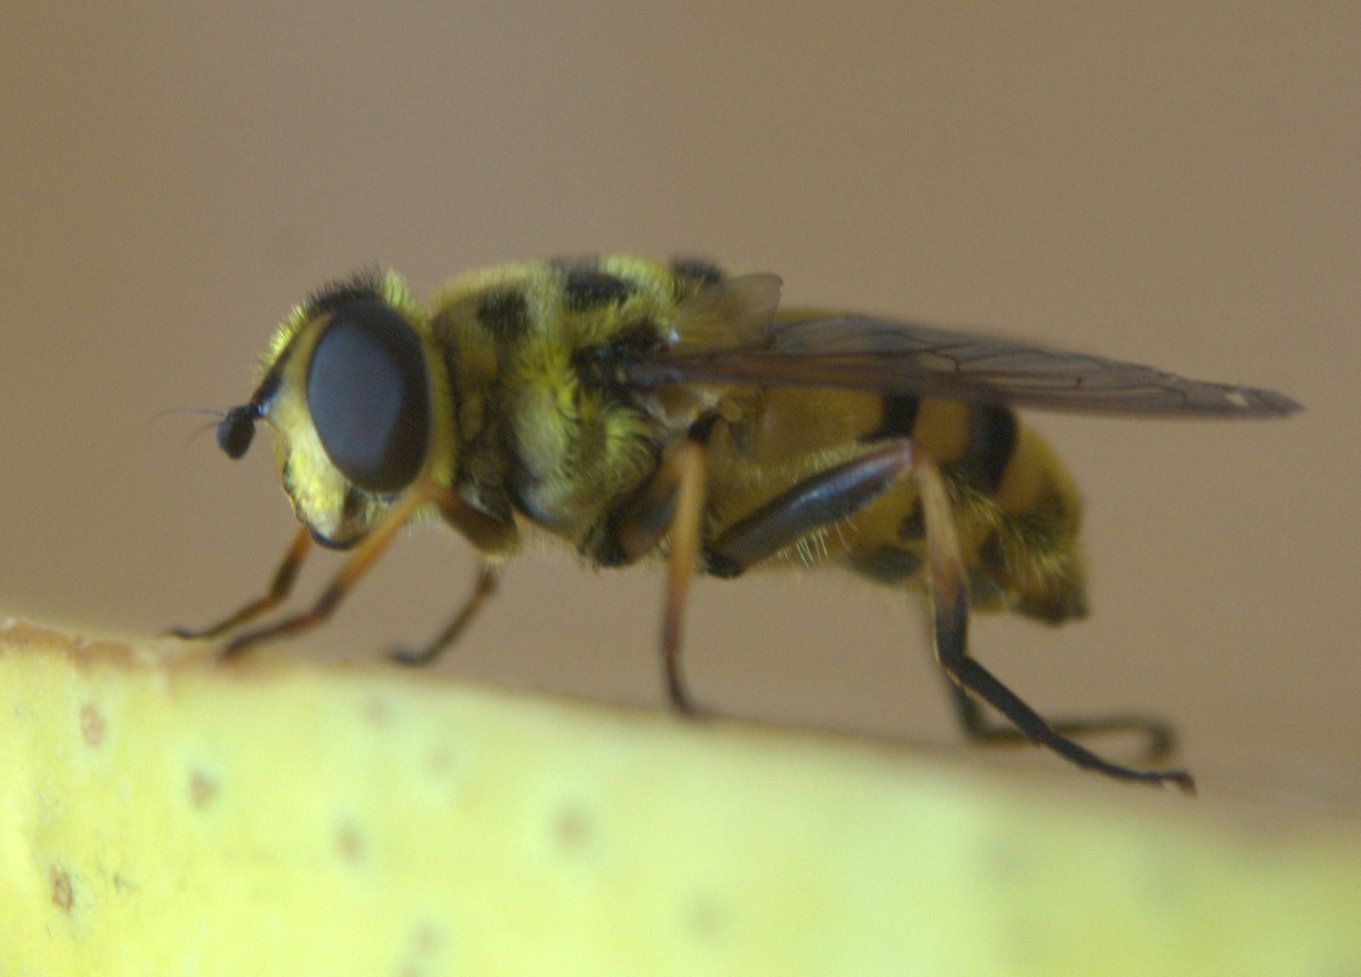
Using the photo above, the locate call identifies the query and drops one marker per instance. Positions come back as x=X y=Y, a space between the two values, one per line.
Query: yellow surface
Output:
x=160 y=814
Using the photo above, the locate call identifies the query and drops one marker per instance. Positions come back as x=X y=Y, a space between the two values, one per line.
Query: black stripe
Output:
x=504 y=313
x=697 y=270
x=586 y=290
x=987 y=450
x=887 y=564
x=899 y=414
x=992 y=555
x=361 y=286
x=913 y=525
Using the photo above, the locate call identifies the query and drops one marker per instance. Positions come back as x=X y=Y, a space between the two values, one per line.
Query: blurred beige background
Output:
x=1155 y=183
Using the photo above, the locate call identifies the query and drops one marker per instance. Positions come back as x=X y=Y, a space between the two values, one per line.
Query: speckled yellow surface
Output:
x=163 y=815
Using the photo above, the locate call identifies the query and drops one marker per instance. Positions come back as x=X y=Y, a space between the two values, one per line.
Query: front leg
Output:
x=692 y=470
x=488 y=576
x=671 y=499
x=279 y=588
x=485 y=532
x=634 y=528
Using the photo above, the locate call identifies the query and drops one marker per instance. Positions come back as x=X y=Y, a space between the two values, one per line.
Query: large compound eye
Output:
x=369 y=396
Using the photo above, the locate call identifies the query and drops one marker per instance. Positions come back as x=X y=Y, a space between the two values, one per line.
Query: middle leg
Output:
x=488 y=577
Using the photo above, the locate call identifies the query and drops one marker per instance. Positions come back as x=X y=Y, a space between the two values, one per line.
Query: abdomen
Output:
x=1016 y=508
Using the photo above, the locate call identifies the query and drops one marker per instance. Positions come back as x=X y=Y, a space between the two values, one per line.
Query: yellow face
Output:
x=352 y=388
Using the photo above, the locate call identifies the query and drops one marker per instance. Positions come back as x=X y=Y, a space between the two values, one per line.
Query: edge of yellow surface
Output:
x=160 y=814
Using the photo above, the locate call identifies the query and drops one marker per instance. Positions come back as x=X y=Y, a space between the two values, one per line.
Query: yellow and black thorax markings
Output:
x=528 y=344
x=585 y=299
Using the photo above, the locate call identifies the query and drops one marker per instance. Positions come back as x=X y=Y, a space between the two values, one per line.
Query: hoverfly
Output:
x=636 y=409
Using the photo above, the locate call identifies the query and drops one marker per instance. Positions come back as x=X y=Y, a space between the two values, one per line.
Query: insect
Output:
x=634 y=409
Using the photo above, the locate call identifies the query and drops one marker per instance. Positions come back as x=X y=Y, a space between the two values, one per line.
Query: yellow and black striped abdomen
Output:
x=1015 y=506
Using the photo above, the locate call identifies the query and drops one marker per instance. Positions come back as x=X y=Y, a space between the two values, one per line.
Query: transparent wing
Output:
x=867 y=353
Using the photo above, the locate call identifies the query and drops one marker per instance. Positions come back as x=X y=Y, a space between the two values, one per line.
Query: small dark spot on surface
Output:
x=350 y=842
x=91 y=724
x=378 y=711
x=707 y=918
x=63 y=897
x=573 y=828
x=442 y=760
x=202 y=788
x=426 y=942
x=427 y=938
